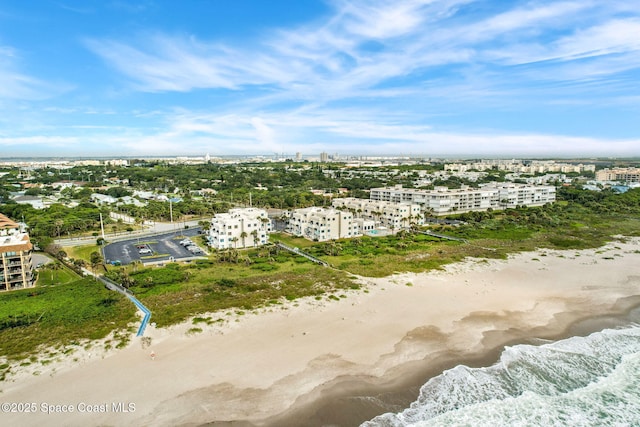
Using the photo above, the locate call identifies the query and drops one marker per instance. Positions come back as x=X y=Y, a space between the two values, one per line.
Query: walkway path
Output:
x=304 y=254
x=442 y=236
x=111 y=285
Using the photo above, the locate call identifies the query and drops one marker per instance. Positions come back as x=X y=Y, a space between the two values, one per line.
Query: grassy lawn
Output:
x=293 y=241
x=175 y=292
x=59 y=316
x=81 y=252
x=58 y=275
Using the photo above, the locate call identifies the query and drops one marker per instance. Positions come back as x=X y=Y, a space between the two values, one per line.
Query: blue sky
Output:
x=534 y=78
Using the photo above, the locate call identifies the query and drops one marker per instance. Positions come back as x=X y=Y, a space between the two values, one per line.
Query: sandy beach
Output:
x=266 y=367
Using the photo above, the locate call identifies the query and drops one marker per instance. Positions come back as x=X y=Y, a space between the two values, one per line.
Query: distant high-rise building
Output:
x=324 y=157
x=298 y=156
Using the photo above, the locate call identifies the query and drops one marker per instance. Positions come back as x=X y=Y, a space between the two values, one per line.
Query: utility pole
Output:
x=102 y=227
x=171 y=216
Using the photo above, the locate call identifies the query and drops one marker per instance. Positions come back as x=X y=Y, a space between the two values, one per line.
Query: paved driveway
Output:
x=164 y=247
x=37 y=259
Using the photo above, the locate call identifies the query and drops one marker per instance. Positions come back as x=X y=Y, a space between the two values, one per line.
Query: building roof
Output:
x=6 y=223
x=20 y=242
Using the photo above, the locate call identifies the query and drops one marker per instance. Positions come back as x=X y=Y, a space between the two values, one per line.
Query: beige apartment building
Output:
x=322 y=224
x=16 y=267
x=385 y=213
x=626 y=175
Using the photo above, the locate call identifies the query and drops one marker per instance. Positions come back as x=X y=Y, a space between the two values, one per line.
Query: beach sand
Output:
x=339 y=362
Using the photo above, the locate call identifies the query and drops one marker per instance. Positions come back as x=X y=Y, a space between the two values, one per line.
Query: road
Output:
x=158 y=227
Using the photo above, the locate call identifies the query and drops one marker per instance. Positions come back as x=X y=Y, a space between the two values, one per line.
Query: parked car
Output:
x=145 y=251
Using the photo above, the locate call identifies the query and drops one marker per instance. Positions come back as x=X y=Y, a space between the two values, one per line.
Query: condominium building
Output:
x=627 y=175
x=529 y=167
x=386 y=213
x=322 y=224
x=442 y=200
x=239 y=228
x=16 y=267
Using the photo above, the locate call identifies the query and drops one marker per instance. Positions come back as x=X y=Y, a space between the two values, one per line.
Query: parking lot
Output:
x=154 y=249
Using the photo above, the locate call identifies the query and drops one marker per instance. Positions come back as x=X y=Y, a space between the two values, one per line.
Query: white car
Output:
x=145 y=251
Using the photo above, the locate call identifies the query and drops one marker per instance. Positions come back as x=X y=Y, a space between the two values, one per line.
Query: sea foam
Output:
x=580 y=381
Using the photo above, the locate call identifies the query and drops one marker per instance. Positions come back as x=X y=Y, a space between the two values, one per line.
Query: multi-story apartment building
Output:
x=16 y=267
x=530 y=167
x=627 y=175
x=442 y=201
x=386 y=213
x=239 y=228
x=322 y=224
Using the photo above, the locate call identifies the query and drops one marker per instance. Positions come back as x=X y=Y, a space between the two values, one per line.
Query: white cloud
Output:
x=17 y=85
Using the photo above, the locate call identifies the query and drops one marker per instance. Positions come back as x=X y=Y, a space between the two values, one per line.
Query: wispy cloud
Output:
x=18 y=85
x=367 y=46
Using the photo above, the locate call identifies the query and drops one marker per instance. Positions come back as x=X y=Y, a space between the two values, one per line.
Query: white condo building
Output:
x=240 y=228
x=442 y=200
x=388 y=214
x=322 y=224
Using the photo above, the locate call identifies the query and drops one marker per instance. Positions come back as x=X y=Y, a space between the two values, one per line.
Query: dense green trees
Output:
x=55 y=221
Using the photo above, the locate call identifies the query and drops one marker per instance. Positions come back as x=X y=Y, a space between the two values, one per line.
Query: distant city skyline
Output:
x=430 y=78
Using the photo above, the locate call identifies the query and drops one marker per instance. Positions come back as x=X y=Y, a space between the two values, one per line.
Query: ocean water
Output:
x=579 y=381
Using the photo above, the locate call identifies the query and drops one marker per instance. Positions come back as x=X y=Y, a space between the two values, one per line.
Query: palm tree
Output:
x=127 y=281
x=58 y=224
x=96 y=260
x=53 y=267
x=428 y=212
x=205 y=225
x=243 y=236
x=264 y=221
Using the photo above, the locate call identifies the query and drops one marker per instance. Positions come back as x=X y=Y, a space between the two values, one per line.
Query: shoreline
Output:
x=264 y=368
x=352 y=401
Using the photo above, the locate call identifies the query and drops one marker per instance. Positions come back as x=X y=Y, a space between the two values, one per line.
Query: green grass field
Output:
x=81 y=252
x=59 y=315
x=55 y=273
